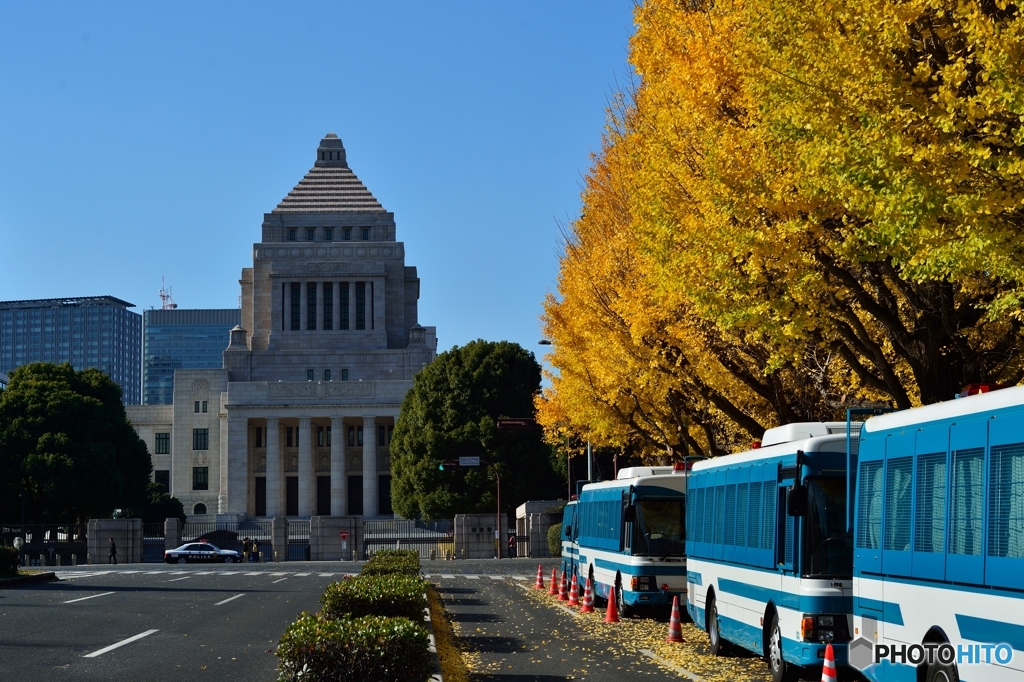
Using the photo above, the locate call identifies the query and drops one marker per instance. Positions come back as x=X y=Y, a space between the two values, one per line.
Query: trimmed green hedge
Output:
x=387 y=561
x=375 y=595
x=315 y=649
x=8 y=560
x=555 y=540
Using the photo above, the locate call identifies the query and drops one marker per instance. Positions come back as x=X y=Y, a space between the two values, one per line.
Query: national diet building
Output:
x=298 y=420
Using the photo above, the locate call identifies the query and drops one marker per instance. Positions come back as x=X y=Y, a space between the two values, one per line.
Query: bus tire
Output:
x=942 y=672
x=777 y=666
x=715 y=643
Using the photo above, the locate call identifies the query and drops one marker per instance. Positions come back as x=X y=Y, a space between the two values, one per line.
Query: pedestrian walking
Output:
x=255 y=549
x=511 y=546
x=112 y=554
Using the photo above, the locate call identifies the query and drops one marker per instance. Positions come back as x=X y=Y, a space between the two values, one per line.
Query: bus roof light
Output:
x=976 y=389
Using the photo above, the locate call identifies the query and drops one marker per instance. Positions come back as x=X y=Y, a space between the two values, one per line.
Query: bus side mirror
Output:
x=629 y=514
x=796 y=500
x=568 y=531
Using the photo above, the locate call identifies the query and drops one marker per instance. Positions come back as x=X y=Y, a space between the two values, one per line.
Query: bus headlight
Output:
x=826 y=621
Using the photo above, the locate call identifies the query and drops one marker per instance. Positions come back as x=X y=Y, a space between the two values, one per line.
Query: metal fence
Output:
x=50 y=544
x=432 y=539
x=153 y=542
x=298 y=540
x=233 y=535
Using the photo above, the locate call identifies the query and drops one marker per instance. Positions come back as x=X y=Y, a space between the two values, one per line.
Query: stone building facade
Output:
x=298 y=420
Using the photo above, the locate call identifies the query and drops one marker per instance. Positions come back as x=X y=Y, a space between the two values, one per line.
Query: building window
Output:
x=327 y=375
x=259 y=437
x=351 y=436
x=381 y=435
x=347 y=233
x=311 y=305
x=310 y=234
x=360 y=305
x=366 y=234
x=163 y=477
x=309 y=375
x=204 y=406
x=359 y=435
x=197 y=407
x=199 y=509
x=291 y=235
x=328 y=436
x=344 y=375
x=319 y=436
x=200 y=478
x=163 y=444
x=328 y=306
x=200 y=439
x=328 y=234
x=343 y=305
x=296 y=306
x=288 y=437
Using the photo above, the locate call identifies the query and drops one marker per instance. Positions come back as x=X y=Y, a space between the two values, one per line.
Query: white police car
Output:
x=200 y=552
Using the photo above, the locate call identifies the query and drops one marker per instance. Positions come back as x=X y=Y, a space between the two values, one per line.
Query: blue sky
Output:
x=140 y=141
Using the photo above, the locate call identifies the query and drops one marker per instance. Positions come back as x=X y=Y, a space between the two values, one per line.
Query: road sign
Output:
x=469 y=461
x=343 y=534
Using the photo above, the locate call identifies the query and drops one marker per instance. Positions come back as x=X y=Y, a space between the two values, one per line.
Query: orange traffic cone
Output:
x=540 y=578
x=828 y=672
x=562 y=596
x=612 y=614
x=588 y=598
x=574 y=592
x=675 y=628
x=554 y=583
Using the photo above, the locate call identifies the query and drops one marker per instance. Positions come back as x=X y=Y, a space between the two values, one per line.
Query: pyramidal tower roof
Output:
x=330 y=186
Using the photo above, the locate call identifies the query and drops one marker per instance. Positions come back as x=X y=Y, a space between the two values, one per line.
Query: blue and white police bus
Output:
x=769 y=557
x=938 y=561
x=629 y=533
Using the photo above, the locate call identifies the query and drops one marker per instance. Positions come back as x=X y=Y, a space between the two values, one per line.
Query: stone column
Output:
x=273 y=468
x=370 y=505
x=320 y=306
x=305 y=436
x=336 y=308
x=235 y=464
x=303 y=306
x=339 y=487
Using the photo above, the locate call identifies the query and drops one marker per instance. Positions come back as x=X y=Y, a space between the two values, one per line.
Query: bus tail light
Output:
x=642 y=583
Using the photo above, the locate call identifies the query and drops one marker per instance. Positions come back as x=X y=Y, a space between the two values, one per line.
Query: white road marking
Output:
x=104 y=650
x=128 y=572
x=497 y=577
x=519 y=577
x=448 y=576
x=254 y=573
x=278 y=574
x=174 y=580
x=203 y=573
x=471 y=577
x=326 y=575
x=277 y=581
x=230 y=599
x=155 y=572
x=178 y=572
x=72 y=601
x=301 y=575
x=229 y=573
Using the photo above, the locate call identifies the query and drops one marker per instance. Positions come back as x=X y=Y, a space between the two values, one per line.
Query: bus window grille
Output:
x=1006 y=502
x=768 y=521
x=869 y=514
x=742 y=514
x=897 y=504
x=966 y=508
x=930 y=517
x=790 y=538
x=719 y=514
x=730 y=514
x=754 y=531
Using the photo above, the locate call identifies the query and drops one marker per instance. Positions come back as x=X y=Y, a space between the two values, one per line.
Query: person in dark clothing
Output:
x=246 y=549
x=112 y=554
x=511 y=546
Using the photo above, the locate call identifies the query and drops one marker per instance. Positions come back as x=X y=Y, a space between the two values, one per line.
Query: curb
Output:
x=436 y=677
x=48 y=576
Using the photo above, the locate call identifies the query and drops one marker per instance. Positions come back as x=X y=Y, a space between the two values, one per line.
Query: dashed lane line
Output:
x=104 y=650
x=174 y=580
x=301 y=575
x=72 y=601
x=279 y=580
x=230 y=599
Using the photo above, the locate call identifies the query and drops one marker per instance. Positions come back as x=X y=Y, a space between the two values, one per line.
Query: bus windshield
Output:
x=659 y=526
x=828 y=548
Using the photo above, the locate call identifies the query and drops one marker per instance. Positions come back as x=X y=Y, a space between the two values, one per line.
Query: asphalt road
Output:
x=188 y=622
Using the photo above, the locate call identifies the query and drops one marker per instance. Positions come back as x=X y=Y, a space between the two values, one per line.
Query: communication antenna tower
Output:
x=165 y=296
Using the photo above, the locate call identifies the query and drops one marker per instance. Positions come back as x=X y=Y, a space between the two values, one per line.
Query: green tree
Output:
x=66 y=442
x=159 y=506
x=451 y=412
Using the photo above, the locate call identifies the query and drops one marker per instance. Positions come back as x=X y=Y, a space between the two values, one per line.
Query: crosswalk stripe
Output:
x=472 y=577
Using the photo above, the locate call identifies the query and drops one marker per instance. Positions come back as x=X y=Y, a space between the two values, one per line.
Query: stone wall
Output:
x=325 y=543
x=475 y=539
x=127 y=535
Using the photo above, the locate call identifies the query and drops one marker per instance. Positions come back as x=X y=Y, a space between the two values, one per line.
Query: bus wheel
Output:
x=942 y=672
x=715 y=644
x=780 y=670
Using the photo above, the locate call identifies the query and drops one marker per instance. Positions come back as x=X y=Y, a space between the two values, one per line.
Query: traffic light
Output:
x=447 y=463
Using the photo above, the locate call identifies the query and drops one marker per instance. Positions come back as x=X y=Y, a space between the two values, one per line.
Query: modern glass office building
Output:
x=181 y=339
x=96 y=331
